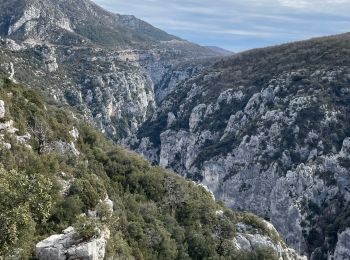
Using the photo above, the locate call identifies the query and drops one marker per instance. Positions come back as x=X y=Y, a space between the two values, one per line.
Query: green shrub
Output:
x=86 y=192
x=24 y=202
x=86 y=228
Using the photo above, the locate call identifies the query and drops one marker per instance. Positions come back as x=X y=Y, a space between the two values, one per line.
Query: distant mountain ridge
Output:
x=81 y=48
x=223 y=51
x=74 y=22
x=82 y=23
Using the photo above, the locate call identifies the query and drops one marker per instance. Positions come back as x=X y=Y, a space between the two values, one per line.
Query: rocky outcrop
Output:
x=61 y=147
x=248 y=239
x=11 y=44
x=8 y=128
x=342 y=250
x=67 y=247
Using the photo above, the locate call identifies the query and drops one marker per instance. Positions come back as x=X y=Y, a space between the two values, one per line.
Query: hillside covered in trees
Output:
x=56 y=171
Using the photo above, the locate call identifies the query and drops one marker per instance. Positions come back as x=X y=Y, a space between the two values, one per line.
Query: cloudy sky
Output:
x=240 y=24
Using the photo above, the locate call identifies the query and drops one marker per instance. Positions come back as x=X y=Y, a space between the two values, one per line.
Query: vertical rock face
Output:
x=275 y=144
x=117 y=90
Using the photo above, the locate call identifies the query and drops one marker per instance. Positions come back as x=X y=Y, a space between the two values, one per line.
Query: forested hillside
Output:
x=56 y=171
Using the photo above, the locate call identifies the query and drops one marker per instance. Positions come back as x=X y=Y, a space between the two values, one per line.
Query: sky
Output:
x=239 y=25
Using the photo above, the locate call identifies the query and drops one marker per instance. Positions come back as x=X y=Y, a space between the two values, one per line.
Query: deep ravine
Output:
x=267 y=131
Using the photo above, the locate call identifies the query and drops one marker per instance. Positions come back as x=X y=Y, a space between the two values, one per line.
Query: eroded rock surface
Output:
x=67 y=247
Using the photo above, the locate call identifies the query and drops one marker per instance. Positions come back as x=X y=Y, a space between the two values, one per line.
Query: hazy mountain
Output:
x=74 y=22
x=224 y=52
x=78 y=23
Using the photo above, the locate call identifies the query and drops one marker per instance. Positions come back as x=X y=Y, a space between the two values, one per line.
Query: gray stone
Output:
x=248 y=239
x=74 y=133
x=66 y=247
x=62 y=148
x=2 y=109
x=342 y=250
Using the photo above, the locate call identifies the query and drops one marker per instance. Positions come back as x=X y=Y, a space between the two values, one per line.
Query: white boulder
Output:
x=66 y=247
x=2 y=109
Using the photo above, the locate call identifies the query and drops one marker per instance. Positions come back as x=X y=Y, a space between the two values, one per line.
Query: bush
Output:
x=86 y=192
x=67 y=211
x=24 y=202
x=86 y=228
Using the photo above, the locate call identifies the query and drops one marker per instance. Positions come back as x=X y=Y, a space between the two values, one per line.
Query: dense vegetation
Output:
x=157 y=215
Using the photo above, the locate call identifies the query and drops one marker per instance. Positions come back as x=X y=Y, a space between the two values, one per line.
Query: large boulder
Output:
x=66 y=247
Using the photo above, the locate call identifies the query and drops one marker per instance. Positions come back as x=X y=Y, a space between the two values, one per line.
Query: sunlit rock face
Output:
x=267 y=132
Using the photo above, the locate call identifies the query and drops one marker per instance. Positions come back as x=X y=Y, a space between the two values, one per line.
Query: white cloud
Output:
x=240 y=24
x=316 y=4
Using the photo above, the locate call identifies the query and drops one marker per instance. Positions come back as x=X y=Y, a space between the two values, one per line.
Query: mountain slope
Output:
x=143 y=28
x=268 y=131
x=73 y=22
x=79 y=23
x=224 y=52
x=106 y=65
x=56 y=171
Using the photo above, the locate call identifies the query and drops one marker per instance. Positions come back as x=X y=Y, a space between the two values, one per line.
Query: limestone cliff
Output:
x=268 y=132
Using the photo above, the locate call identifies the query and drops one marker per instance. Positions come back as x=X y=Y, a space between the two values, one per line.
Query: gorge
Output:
x=266 y=131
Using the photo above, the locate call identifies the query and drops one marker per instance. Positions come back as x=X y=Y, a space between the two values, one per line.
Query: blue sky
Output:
x=239 y=25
